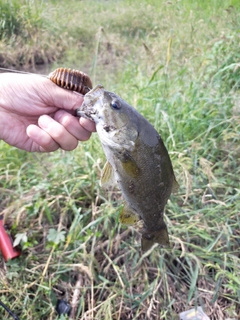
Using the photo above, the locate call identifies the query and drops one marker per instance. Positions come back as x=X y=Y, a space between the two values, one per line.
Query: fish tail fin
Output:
x=146 y=244
x=161 y=237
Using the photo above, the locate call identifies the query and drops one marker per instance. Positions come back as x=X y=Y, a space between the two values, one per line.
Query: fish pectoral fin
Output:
x=129 y=165
x=161 y=237
x=107 y=177
x=128 y=217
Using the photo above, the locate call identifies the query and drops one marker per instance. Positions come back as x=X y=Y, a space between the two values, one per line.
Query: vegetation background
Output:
x=178 y=63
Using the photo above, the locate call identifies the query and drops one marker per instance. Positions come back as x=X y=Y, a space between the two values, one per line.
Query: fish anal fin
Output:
x=128 y=216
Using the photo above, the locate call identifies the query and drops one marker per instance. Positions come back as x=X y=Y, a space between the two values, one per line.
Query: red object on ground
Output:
x=6 y=245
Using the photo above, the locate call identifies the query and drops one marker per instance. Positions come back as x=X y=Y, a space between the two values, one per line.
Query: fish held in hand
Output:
x=137 y=161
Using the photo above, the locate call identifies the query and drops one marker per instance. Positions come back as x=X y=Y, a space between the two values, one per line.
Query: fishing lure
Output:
x=71 y=79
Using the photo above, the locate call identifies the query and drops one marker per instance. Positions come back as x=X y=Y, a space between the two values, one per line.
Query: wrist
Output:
x=6 y=126
x=2 y=107
x=5 y=100
x=3 y=124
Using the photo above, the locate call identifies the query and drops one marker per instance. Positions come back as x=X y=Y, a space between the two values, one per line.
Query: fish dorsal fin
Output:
x=107 y=177
x=128 y=216
x=175 y=185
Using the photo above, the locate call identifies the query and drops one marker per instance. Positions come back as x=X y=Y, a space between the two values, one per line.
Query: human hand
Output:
x=37 y=115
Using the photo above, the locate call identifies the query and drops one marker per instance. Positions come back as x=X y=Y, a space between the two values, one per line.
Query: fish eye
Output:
x=115 y=105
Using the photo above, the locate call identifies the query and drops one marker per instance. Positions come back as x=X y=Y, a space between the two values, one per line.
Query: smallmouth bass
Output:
x=136 y=159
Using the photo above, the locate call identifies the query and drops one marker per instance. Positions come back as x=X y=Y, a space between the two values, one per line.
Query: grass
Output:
x=178 y=64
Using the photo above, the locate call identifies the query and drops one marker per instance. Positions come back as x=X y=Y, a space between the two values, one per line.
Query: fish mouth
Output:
x=87 y=109
x=88 y=113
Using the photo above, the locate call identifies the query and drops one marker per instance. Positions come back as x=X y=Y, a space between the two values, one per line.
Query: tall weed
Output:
x=10 y=21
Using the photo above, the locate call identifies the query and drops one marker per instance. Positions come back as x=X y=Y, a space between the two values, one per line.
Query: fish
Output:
x=137 y=160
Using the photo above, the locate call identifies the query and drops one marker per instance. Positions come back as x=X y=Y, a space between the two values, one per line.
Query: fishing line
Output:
x=9 y=311
x=18 y=71
x=71 y=79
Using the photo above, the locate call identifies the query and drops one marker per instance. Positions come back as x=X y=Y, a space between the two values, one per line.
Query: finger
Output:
x=58 y=133
x=87 y=124
x=44 y=142
x=72 y=125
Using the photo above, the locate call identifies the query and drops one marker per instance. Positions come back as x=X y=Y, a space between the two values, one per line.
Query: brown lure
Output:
x=71 y=79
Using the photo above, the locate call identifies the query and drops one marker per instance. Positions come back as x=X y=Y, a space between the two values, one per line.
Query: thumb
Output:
x=61 y=98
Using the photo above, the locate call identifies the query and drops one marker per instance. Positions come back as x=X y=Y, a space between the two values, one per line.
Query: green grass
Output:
x=178 y=63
